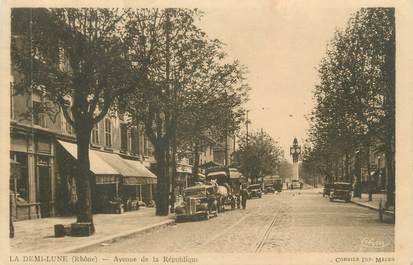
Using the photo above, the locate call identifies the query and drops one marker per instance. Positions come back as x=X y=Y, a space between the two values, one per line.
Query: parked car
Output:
x=269 y=189
x=254 y=190
x=278 y=185
x=341 y=191
x=296 y=184
x=327 y=189
x=199 y=201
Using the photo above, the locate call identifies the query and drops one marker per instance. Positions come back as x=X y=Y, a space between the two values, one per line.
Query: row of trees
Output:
x=258 y=155
x=156 y=66
x=355 y=98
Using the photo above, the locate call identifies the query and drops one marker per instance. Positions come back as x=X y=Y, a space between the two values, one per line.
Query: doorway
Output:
x=44 y=186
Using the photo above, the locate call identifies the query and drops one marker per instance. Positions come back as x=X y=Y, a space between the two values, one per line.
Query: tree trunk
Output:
x=390 y=172
x=390 y=104
x=195 y=169
x=369 y=180
x=84 y=203
x=226 y=148
x=162 y=191
x=358 y=176
x=173 y=167
x=347 y=165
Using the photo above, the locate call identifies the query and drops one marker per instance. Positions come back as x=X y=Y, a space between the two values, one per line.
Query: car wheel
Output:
x=331 y=199
x=206 y=217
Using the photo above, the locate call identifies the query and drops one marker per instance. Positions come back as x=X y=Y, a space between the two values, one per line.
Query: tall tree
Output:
x=77 y=59
x=168 y=52
x=355 y=100
x=258 y=156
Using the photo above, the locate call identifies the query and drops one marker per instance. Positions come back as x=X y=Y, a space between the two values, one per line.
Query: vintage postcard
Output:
x=207 y=132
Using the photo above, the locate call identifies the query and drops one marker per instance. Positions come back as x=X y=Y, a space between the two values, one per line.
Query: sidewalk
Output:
x=373 y=204
x=38 y=235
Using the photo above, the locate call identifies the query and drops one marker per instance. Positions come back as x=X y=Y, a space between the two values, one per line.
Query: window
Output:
x=123 y=137
x=38 y=116
x=95 y=134
x=108 y=133
x=21 y=181
x=134 y=141
x=145 y=146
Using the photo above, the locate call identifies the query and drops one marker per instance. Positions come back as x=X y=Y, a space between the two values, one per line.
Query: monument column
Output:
x=295 y=152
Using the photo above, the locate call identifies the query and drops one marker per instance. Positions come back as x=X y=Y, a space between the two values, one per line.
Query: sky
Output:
x=281 y=46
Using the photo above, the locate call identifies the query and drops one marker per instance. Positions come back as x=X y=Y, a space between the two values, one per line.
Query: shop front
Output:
x=32 y=188
x=118 y=184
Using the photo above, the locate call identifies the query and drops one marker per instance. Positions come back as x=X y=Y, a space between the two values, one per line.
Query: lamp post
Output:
x=295 y=152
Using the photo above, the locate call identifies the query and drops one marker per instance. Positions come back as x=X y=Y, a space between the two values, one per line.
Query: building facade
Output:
x=39 y=145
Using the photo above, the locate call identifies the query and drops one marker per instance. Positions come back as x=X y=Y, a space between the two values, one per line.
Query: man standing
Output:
x=244 y=196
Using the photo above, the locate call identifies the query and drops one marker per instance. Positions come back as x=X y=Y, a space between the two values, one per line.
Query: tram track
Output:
x=274 y=221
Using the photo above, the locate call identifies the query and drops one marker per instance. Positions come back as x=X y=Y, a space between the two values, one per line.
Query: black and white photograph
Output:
x=257 y=132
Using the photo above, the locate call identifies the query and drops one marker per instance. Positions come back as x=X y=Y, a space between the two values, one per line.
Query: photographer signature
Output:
x=374 y=243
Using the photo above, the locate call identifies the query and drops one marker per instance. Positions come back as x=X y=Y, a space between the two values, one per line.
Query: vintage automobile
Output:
x=278 y=186
x=296 y=184
x=341 y=191
x=327 y=189
x=199 y=201
x=227 y=182
x=269 y=189
x=272 y=184
x=254 y=190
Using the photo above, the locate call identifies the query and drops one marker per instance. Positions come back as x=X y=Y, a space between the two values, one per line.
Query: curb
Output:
x=365 y=205
x=371 y=207
x=116 y=237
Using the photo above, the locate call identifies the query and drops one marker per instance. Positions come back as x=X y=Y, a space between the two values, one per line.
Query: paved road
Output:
x=291 y=221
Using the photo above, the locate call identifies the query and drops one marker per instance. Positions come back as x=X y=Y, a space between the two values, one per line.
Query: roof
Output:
x=345 y=183
x=196 y=187
x=210 y=164
x=272 y=177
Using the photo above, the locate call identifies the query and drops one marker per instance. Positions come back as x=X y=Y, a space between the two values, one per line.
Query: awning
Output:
x=143 y=176
x=217 y=173
x=97 y=165
x=183 y=168
x=111 y=165
x=132 y=171
x=234 y=173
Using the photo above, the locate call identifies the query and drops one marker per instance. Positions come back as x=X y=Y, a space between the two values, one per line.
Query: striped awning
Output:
x=97 y=165
x=110 y=167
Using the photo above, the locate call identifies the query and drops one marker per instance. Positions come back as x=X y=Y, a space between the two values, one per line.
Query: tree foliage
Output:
x=182 y=83
x=355 y=98
x=258 y=155
x=76 y=59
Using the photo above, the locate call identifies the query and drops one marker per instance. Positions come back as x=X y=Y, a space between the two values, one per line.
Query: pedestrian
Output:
x=244 y=197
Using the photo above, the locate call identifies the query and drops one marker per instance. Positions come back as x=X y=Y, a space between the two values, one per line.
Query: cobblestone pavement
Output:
x=291 y=221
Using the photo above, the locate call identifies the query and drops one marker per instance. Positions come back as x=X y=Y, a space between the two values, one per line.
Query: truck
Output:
x=272 y=184
x=227 y=181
